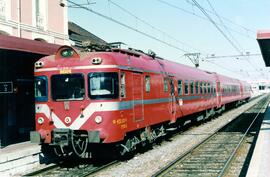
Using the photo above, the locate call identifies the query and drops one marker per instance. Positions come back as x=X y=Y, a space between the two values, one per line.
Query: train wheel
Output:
x=129 y=145
x=79 y=144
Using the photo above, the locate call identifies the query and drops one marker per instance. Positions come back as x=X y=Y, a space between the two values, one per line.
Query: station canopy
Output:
x=27 y=45
x=263 y=38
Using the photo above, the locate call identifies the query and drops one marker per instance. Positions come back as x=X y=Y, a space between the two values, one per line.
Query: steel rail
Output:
x=222 y=172
x=190 y=151
x=85 y=173
x=40 y=171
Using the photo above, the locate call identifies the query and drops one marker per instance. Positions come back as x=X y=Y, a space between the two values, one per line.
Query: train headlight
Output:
x=67 y=120
x=98 y=119
x=40 y=120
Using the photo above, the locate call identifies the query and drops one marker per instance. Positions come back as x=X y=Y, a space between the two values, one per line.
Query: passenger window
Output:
x=201 y=87
x=197 y=87
x=165 y=85
x=123 y=86
x=209 y=88
x=147 y=83
x=205 y=87
x=180 y=89
x=192 y=87
x=186 y=87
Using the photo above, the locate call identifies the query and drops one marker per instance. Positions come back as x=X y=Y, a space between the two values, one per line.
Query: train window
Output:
x=201 y=87
x=103 y=85
x=180 y=89
x=197 y=87
x=214 y=87
x=209 y=87
x=192 y=87
x=41 y=88
x=186 y=87
x=123 y=85
x=67 y=87
x=147 y=83
x=165 y=85
x=205 y=87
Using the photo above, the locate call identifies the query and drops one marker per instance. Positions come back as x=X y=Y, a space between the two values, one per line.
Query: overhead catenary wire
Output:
x=231 y=56
x=217 y=27
x=220 y=66
x=223 y=24
x=203 y=18
x=127 y=26
x=150 y=25
x=228 y=20
x=131 y=28
x=225 y=27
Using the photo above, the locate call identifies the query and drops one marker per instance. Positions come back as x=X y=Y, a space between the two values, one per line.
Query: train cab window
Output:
x=41 y=88
x=147 y=83
x=180 y=89
x=186 y=87
x=67 y=87
x=197 y=87
x=103 y=85
x=123 y=85
x=165 y=85
x=192 y=87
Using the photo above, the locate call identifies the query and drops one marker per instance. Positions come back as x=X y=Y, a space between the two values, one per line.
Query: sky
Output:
x=172 y=28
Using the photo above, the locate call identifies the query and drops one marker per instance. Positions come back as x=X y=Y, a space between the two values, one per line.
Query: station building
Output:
x=259 y=87
x=29 y=30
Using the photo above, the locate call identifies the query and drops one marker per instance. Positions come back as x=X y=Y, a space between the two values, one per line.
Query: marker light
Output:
x=96 y=61
x=98 y=119
x=39 y=64
x=40 y=120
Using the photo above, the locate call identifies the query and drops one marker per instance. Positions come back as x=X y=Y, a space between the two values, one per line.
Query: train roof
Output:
x=136 y=60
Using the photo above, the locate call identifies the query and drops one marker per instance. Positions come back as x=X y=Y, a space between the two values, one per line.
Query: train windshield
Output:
x=41 y=88
x=103 y=85
x=67 y=87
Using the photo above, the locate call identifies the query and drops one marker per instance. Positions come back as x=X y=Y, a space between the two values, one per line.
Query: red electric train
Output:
x=122 y=97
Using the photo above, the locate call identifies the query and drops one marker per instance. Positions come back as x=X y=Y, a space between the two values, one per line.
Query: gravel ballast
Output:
x=148 y=163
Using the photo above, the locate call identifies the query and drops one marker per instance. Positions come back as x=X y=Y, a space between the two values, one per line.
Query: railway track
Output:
x=81 y=169
x=78 y=170
x=213 y=156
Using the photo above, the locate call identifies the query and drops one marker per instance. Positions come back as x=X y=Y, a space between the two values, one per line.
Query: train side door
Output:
x=172 y=100
x=241 y=90
x=138 y=97
x=219 y=94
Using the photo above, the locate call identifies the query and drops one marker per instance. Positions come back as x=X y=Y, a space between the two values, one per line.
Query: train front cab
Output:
x=72 y=103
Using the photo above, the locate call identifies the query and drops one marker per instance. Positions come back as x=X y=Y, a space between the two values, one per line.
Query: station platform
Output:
x=260 y=161
x=19 y=158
